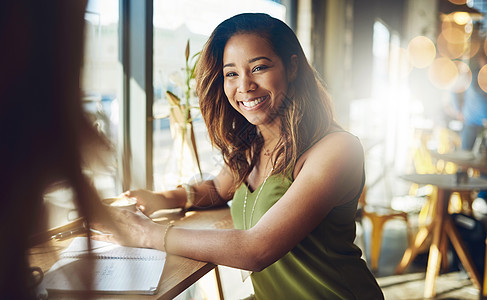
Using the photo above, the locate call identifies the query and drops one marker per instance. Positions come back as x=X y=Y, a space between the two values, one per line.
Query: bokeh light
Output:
x=482 y=78
x=421 y=51
x=473 y=49
x=449 y=49
x=461 y=17
x=464 y=78
x=442 y=73
x=458 y=2
x=454 y=35
x=456 y=27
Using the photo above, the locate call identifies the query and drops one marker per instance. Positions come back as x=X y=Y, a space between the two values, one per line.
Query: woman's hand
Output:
x=148 y=201
x=129 y=228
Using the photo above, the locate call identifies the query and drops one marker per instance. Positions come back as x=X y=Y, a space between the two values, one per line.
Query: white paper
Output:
x=114 y=269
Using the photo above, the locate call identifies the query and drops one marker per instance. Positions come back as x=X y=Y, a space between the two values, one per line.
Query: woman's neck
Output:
x=270 y=135
x=270 y=132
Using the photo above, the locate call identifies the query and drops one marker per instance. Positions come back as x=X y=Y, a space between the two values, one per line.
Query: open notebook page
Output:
x=113 y=269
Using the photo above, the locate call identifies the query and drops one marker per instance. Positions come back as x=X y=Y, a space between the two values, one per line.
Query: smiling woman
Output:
x=293 y=174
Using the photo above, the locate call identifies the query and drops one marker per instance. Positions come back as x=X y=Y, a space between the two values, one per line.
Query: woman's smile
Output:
x=253 y=103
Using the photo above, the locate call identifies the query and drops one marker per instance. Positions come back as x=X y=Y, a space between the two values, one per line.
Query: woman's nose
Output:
x=246 y=84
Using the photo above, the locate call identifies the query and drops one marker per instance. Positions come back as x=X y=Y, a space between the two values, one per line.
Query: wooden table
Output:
x=179 y=272
x=441 y=229
x=464 y=159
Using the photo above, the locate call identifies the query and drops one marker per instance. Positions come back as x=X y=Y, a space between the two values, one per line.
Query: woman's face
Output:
x=255 y=80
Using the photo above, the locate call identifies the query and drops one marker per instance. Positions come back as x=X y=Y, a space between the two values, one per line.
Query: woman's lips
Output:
x=253 y=103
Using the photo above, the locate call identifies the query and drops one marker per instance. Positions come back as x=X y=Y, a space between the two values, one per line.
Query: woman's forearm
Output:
x=232 y=248
x=206 y=194
x=202 y=195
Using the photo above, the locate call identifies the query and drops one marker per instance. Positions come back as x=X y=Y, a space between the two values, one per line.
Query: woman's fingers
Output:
x=140 y=207
x=124 y=227
x=105 y=238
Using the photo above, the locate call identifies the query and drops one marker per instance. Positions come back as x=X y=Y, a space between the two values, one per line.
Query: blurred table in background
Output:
x=463 y=158
x=441 y=228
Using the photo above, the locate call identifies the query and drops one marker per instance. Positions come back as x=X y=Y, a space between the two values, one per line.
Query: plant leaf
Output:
x=173 y=99
x=187 y=50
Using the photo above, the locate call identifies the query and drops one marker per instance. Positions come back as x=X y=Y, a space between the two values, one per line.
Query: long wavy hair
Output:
x=306 y=114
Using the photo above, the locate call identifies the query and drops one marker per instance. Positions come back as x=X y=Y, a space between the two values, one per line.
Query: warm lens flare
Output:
x=461 y=17
x=469 y=28
x=456 y=24
x=464 y=78
x=443 y=72
x=473 y=49
x=482 y=79
x=450 y=50
x=454 y=35
x=421 y=51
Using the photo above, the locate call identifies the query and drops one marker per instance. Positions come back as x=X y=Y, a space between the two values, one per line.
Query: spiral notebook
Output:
x=113 y=268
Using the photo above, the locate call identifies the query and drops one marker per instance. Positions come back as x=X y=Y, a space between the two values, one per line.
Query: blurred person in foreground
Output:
x=293 y=174
x=45 y=137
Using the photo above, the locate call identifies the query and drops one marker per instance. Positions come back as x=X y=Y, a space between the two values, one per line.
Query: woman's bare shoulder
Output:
x=343 y=141
x=339 y=148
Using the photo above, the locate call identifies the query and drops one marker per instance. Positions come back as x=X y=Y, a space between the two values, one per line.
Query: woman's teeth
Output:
x=253 y=103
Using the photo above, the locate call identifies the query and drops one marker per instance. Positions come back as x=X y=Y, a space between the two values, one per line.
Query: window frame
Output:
x=136 y=56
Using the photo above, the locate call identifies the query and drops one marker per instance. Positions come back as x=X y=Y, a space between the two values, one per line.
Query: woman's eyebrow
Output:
x=250 y=61
x=259 y=58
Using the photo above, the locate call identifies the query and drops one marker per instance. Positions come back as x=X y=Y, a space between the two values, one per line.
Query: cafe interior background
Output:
x=390 y=66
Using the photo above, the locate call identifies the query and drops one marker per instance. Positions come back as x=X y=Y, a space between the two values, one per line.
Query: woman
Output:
x=293 y=174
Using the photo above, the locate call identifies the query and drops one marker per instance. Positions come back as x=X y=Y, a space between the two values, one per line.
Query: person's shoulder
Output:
x=338 y=148
x=341 y=141
x=339 y=151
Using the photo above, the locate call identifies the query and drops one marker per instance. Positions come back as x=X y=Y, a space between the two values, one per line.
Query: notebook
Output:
x=115 y=269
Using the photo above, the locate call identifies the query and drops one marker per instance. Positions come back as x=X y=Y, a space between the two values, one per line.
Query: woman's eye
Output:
x=259 y=68
x=230 y=74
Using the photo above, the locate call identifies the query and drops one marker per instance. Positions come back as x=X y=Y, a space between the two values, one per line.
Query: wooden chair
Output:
x=378 y=216
x=484 y=284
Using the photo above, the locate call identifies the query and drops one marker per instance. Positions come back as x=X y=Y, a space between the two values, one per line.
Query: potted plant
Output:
x=184 y=160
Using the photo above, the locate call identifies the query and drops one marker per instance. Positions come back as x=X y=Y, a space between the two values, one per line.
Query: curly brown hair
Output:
x=306 y=114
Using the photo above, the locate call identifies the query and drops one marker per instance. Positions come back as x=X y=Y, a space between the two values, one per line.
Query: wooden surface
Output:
x=464 y=159
x=179 y=273
x=447 y=181
x=441 y=230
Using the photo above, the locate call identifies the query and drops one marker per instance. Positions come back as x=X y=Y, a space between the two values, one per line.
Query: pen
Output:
x=68 y=233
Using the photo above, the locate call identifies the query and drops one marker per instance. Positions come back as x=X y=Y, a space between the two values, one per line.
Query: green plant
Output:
x=180 y=114
x=184 y=109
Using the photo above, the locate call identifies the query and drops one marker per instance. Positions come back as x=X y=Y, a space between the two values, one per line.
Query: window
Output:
x=101 y=82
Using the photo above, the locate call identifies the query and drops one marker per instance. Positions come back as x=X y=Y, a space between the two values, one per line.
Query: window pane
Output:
x=101 y=81
x=100 y=84
x=176 y=22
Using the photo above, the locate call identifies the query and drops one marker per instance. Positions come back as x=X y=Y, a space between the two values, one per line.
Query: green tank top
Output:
x=325 y=265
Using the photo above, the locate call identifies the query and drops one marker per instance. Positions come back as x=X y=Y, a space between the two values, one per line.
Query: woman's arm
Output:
x=327 y=175
x=205 y=194
x=213 y=192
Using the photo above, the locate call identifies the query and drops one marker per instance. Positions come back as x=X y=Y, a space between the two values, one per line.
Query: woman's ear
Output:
x=293 y=68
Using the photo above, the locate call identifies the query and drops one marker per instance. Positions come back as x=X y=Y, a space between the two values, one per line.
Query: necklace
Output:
x=255 y=202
